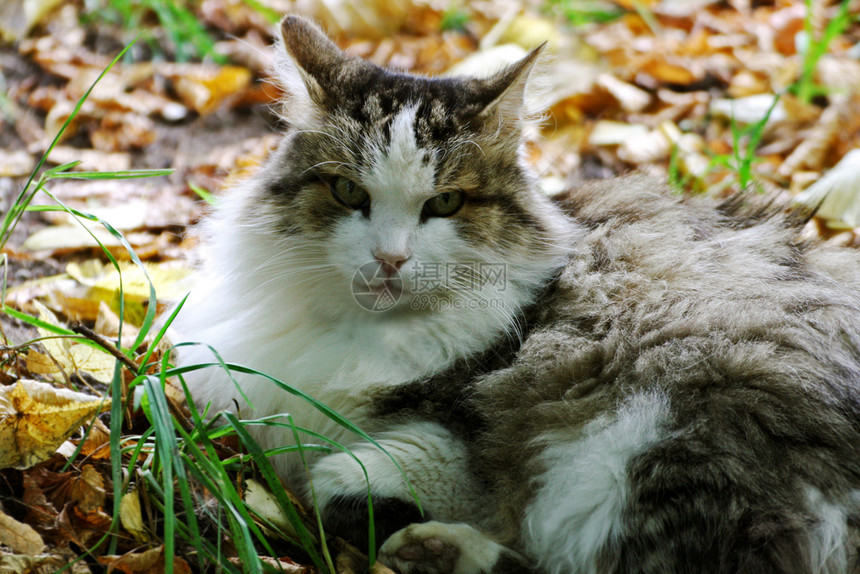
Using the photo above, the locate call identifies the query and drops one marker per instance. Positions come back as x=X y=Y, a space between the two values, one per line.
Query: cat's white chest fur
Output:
x=338 y=358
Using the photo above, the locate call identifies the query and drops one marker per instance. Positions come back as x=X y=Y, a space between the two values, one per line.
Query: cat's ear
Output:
x=310 y=62
x=502 y=95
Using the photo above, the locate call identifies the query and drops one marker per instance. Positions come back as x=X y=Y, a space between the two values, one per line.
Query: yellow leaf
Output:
x=130 y=516
x=70 y=356
x=105 y=280
x=264 y=504
x=204 y=89
x=35 y=419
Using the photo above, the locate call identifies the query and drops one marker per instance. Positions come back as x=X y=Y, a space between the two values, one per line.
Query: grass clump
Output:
x=806 y=89
x=584 y=12
x=745 y=142
x=188 y=37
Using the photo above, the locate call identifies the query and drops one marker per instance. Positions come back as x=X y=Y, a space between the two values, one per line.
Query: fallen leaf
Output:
x=123 y=131
x=69 y=356
x=369 y=19
x=839 y=190
x=68 y=237
x=91 y=160
x=36 y=418
x=84 y=528
x=265 y=505
x=131 y=517
x=284 y=565
x=17 y=563
x=648 y=147
x=16 y=163
x=104 y=280
x=20 y=537
x=88 y=489
x=97 y=443
x=629 y=97
x=608 y=132
x=811 y=152
x=206 y=89
x=149 y=562
x=750 y=109
x=17 y=17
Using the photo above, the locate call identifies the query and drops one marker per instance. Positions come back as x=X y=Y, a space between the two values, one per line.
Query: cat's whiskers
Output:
x=335 y=162
x=314 y=270
x=283 y=256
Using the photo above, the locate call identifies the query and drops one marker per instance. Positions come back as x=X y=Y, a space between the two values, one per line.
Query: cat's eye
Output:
x=348 y=193
x=444 y=204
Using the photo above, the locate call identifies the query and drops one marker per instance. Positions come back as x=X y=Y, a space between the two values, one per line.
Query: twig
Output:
x=82 y=329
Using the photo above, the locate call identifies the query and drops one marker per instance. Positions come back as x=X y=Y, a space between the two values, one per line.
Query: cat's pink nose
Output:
x=392 y=261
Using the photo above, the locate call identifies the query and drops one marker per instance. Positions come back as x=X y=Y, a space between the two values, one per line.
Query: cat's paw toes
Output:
x=439 y=548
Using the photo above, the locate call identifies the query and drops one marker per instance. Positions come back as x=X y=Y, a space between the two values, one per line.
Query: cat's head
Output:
x=395 y=175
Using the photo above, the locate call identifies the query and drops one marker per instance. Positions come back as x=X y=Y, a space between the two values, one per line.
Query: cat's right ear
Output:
x=310 y=64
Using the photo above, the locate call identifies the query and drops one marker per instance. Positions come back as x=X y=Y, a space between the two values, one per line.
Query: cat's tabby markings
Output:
x=661 y=385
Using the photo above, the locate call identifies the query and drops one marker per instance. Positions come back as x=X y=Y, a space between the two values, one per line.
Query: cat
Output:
x=612 y=380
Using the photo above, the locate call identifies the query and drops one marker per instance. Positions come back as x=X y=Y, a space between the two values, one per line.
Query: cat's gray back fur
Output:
x=686 y=397
x=749 y=336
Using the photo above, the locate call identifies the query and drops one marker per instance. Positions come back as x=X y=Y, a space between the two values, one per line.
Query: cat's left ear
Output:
x=311 y=66
x=503 y=94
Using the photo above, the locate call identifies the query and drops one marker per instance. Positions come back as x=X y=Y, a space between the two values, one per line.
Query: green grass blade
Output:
x=23 y=199
x=275 y=487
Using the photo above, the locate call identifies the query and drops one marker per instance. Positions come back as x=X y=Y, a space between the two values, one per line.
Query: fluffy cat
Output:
x=615 y=380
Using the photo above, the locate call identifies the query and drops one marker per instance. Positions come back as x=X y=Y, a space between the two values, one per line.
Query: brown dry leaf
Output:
x=131 y=517
x=148 y=562
x=91 y=160
x=673 y=70
x=36 y=418
x=18 y=563
x=123 y=131
x=810 y=154
x=368 y=19
x=204 y=89
x=16 y=163
x=85 y=528
x=20 y=537
x=40 y=511
x=88 y=489
x=97 y=444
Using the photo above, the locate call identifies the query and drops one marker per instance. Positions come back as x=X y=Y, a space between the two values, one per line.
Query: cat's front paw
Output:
x=440 y=548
